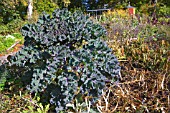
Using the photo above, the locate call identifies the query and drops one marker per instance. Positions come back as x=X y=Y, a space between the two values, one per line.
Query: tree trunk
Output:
x=30 y=8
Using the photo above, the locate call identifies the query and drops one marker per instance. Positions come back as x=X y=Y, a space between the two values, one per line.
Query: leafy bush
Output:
x=11 y=10
x=2 y=47
x=164 y=10
x=3 y=29
x=11 y=27
x=19 y=37
x=159 y=9
x=63 y=56
x=5 y=43
x=140 y=27
x=111 y=14
x=46 y=6
x=8 y=42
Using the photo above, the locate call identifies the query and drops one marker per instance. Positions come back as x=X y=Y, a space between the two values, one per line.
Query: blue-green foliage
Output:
x=3 y=75
x=65 y=56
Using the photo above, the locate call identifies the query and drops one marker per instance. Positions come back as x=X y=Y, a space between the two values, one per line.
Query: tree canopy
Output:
x=10 y=10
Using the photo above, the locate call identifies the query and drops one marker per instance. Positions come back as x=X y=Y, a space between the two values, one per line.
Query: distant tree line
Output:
x=13 y=9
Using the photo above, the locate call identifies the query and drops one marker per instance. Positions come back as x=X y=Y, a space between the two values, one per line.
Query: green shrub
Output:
x=46 y=6
x=17 y=35
x=64 y=58
x=8 y=42
x=2 y=47
x=11 y=27
x=164 y=10
x=1 y=38
x=3 y=29
x=11 y=10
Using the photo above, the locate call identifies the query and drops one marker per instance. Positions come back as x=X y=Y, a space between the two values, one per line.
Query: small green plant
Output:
x=82 y=107
x=6 y=42
x=2 y=47
x=63 y=56
x=19 y=37
x=36 y=107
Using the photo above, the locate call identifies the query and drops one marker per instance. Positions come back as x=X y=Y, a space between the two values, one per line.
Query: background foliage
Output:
x=14 y=12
